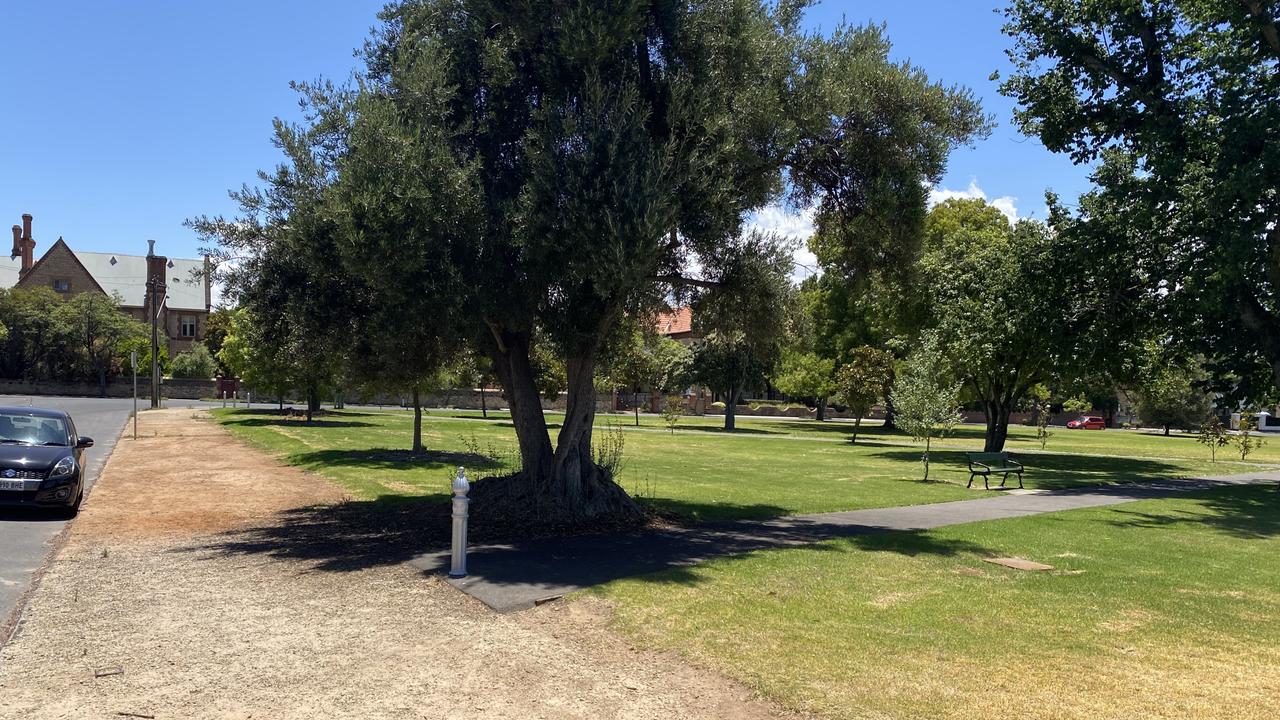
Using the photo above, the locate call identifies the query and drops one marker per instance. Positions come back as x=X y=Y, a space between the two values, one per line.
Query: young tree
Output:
x=672 y=410
x=1213 y=435
x=1178 y=99
x=1041 y=413
x=926 y=399
x=862 y=381
x=1245 y=440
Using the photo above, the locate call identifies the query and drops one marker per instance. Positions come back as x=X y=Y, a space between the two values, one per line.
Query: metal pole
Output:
x=133 y=360
x=458 y=561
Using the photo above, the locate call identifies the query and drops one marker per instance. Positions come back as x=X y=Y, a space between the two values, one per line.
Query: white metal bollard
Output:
x=458 y=564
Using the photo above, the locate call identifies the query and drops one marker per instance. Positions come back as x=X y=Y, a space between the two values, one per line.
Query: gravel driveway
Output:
x=145 y=613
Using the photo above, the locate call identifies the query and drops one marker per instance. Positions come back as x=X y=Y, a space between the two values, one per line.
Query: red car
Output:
x=1088 y=422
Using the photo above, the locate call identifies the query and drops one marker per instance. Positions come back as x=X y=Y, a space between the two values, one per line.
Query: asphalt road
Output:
x=26 y=537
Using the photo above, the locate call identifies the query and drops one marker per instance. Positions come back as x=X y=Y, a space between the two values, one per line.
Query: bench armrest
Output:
x=979 y=464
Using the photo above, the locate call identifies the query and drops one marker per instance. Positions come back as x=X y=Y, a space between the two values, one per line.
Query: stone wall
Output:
x=118 y=388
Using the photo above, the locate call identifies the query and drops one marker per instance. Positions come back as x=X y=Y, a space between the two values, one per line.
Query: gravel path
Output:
x=142 y=595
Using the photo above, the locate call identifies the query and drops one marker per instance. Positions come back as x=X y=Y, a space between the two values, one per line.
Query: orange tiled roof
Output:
x=675 y=322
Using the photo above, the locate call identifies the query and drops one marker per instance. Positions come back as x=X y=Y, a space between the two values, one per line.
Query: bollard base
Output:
x=456 y=576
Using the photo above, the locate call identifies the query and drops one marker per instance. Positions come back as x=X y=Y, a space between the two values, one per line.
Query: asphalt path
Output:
x=27 y=536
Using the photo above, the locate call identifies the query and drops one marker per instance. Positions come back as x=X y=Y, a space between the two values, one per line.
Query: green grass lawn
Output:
x=1162 y=608
x=767 y=468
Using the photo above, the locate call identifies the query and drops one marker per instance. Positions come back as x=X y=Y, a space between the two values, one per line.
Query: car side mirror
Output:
x=84 y=442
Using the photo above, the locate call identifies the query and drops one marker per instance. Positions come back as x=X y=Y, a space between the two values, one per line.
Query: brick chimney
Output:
x=156 y=274
x=24 y=244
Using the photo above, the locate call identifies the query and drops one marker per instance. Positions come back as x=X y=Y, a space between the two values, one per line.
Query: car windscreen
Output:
x=30 y=430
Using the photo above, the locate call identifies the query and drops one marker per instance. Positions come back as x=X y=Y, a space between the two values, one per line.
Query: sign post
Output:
x=133 y=361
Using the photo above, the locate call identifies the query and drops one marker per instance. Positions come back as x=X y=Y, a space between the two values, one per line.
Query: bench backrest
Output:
x=989 y=458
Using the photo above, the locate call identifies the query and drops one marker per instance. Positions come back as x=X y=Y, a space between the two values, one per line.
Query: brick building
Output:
x=186 y=302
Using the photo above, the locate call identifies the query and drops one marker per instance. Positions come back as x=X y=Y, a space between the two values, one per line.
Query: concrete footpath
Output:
x=508 y=578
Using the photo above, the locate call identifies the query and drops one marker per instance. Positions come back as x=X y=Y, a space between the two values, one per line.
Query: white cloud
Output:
x=1006 y=204
x=797 y=227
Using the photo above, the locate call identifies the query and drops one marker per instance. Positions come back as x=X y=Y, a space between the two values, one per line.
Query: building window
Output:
x=62 y=285
x=188 y=329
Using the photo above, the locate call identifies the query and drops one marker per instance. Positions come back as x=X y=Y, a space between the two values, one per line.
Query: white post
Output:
x=248 y=398
x=458 y=564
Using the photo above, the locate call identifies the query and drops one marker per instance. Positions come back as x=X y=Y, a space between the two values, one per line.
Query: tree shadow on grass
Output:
x=382 y=459
x=1247 y=512
x=287 y=422
x=1054 y=472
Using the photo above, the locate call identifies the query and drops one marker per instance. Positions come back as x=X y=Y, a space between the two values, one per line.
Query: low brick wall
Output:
x=116 y=388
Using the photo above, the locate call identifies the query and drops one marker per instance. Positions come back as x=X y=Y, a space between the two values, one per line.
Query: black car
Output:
x=41 y=459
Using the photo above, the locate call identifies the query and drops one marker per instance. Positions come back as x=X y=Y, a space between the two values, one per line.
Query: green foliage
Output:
x=1003 y=299
x=1180 y=101
x=1077 y=406
x=216 y=327
x=727 y=363
x=1213 y=435
x=925 y=399
x=84 y=337
x=806 y=375
x=861 y=382
x=1171 y=395
x=195 y=363
x=252 y=358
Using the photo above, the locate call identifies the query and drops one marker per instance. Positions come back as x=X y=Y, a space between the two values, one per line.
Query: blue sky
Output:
x=122 y=119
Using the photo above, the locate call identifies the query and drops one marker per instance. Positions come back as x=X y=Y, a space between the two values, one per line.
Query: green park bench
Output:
x=985 y=464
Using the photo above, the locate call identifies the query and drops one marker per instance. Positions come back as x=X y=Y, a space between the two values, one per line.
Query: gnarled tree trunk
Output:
x=560 y=487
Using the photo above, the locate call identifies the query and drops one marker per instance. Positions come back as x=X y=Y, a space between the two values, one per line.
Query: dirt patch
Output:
x=146 y=583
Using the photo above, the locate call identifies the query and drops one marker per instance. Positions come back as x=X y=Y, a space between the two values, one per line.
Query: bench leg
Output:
x=972 y=475
x=1019 y=480
x=1004 y=479
x=986 y=481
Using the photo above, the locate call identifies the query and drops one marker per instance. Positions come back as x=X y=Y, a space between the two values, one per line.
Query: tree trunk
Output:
x=514 y=372
x=890 y=424
x=857 y=423
x=927 y=443
x=313 y=400
x=559 y=488
x=821 y=413
x=102 y=381
x=637 y=408
x=997 y=415
x=484 y=409
x=417 y=421
x=730 y=410
x=1166 y=431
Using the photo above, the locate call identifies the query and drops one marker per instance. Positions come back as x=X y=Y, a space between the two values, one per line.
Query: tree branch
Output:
x=1266 y=25
x=687 y=282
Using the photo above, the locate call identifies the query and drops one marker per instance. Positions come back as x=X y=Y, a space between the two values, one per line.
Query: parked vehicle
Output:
x=1088 y=422
x=41 y=460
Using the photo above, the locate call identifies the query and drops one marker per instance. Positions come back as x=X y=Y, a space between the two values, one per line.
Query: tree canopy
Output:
x=1179 y=100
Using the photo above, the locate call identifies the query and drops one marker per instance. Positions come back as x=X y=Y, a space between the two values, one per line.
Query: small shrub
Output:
x=1244 y=440
x=672 y=409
